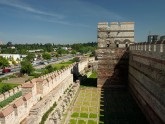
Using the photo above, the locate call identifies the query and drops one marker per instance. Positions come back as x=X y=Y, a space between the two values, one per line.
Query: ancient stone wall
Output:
x=112 y=54
x=38 y=95
x=147 y=78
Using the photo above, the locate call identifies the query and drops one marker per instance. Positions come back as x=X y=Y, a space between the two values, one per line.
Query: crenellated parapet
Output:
x=147 y=78
x=113 y=40
x=115 y=34
x=153 y=49
x=38 y=95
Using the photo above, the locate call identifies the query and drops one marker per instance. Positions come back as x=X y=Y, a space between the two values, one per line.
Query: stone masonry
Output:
x=144 y=73
x=112 y=53
x=147 y=78
x=38 y=95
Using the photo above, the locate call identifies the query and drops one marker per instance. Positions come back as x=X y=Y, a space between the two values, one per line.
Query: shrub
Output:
x=36 y=75
x=4 y=78
x=44 y=71
x=55 y=68
x=26 y=67
x=49 y=68
x=62 y=67
x=76 y=59
x=5 y=88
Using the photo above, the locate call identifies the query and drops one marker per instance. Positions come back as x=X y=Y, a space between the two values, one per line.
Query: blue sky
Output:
x=75 y=21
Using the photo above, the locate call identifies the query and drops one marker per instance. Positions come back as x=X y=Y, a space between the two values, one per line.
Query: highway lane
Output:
x=38 y=65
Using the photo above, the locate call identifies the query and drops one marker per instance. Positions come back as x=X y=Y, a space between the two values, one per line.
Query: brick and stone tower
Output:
x=112 y=54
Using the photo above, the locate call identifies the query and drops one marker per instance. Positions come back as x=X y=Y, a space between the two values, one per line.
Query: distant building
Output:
x=35 y=51
x=15 y=57
x=65 y=48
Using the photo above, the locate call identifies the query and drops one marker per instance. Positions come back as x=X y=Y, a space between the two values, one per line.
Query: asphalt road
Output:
x=37 y=65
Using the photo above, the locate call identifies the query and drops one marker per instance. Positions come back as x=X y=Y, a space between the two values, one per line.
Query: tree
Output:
x=9 y=44
x=46 y=56
x=5 y=88
x=57 y=56
x=3 y=62
x=30 y=57
x=61 y=51
x=38 y=56
x=26 y=67
x=73 y=52
x=48 y=47
x=49 y=68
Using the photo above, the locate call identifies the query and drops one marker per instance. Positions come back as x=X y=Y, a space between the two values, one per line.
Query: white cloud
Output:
x=76 y=9
x=25 y=7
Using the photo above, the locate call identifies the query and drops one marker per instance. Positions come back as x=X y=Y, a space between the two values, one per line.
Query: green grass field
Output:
x=86 y=107
x=93 y=75
x=11 y=86
x=61 y=65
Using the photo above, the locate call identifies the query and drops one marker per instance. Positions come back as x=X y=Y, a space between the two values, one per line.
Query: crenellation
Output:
x=147 y=79
x=155 y=50
x=11 y=92
x=37 y=96
x=143 y=64
x=102 y=25
x=113 y=40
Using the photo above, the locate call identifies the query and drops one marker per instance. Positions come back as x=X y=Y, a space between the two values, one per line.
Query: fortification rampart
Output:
x=82 y=65
x=113 y=40
x=38 y=95
x=147 y=78
x=115 y=33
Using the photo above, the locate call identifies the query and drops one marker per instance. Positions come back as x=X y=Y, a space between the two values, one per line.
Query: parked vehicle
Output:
x=6 y=70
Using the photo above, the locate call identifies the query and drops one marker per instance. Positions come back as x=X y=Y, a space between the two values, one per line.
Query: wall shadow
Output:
x=117 y=105
x=87 y=81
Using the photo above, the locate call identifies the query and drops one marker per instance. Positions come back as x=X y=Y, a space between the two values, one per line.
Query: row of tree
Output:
x=48 y=47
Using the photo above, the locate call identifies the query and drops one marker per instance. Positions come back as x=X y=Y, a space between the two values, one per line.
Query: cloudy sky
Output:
x=75 y=21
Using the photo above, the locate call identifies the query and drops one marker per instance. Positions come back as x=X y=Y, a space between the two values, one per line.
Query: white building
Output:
x=15 y=57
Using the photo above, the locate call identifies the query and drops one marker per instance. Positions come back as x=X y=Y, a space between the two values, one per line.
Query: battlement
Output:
x=35 y=95
x=153 y=49
x=113 y=26
x=115 y=34
x=146 y=77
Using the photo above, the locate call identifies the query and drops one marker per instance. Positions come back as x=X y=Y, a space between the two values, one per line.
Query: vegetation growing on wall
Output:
x=45 y=116
x=10 y=99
